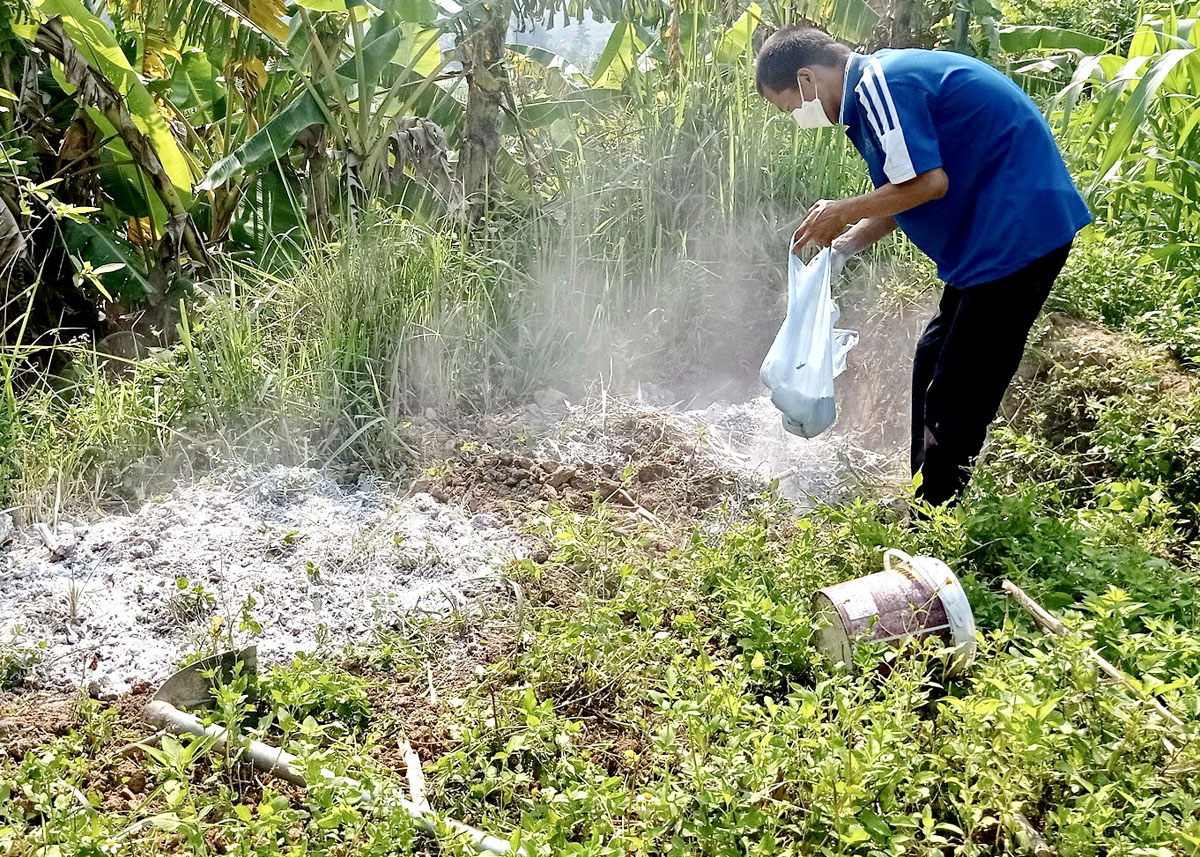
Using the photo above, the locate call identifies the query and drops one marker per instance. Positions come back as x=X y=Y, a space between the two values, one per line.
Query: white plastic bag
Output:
x=808 y=353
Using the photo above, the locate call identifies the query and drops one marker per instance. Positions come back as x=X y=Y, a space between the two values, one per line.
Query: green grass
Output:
x=675 y=704
x=318 y=367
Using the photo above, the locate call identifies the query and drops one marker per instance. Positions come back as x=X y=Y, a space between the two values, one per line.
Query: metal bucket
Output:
x=912 y=598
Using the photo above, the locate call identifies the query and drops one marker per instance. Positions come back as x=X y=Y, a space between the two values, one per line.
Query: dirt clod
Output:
x=560 y=476
x=654 y=472
x=37 y=721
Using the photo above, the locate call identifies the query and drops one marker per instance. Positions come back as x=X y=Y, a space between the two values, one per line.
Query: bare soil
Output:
x=656 y=472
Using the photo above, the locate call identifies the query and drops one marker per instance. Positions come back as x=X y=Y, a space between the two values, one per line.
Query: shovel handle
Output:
x=274 y=760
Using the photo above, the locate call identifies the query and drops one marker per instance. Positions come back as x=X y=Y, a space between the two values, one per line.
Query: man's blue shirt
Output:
x=1010 y=200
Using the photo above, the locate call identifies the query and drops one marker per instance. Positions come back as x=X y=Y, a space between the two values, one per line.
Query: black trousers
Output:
x=965 y=361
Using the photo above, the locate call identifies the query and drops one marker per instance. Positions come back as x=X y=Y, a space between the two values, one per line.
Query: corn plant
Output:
x=1127 y=120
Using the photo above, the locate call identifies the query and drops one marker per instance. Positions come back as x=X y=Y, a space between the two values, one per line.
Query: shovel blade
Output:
x=192 y=686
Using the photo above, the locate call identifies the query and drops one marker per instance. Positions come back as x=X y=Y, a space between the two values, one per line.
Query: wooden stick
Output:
x=639 y=508
x=1052 y=625
x=433 y=699
x=788 y=473
x=415 y=775
x=47 y=537
x=282 y=764
x=1028 y=837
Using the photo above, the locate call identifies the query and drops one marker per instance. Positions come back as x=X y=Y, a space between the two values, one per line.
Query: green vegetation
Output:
x=1107 y=19
x=745 y=745
x=306 y=262
x=676 y=705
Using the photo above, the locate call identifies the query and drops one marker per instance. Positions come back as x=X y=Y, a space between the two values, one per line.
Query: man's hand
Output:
x=825 y=222
x=828 y=218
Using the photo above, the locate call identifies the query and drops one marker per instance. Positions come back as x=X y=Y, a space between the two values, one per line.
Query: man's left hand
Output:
x=825 y=222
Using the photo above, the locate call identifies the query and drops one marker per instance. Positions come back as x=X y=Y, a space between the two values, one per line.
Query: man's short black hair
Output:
x=792 y=48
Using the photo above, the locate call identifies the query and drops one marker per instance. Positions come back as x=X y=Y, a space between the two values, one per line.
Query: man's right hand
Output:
x=823 y=225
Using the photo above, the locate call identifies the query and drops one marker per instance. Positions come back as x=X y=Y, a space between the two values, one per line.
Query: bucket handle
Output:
x=896 y=553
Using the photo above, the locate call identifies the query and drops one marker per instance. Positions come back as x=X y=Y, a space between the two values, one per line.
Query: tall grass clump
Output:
x=666 y=241
x=394 y=319
x=319 y=366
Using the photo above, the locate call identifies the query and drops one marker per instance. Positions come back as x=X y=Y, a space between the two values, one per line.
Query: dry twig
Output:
x=1052 y=625
x=415 y=775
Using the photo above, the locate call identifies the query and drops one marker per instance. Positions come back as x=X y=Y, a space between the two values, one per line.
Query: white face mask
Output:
x=810 y=114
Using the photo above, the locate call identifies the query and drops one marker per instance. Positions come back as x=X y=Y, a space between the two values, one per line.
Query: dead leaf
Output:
x=141 y=232
x=12 y=241
x=268 y=16
x=79 y=140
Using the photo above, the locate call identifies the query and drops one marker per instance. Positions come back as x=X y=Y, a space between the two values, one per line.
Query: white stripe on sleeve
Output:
x=873 y=88
x=868 y=89
x=881 y=81
x=869 y=100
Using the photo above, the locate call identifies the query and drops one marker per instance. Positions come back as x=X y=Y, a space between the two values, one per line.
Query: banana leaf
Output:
x=272 y=142
x=852 y=20
x=418 y=50
x=194 y=89
x=270 y=215
x=119 y=182
x=619 y=57
x=413 y=11
x=95 y=42
x=736 y=41
x=90 y=241
x=1020 y=40
x=131 y=191
x=551 y=62
x=541 y=112
x=323 y=5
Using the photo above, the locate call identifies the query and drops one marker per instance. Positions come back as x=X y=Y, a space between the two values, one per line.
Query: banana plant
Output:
x=128 y=64
x=362 y=81
x=90 y=67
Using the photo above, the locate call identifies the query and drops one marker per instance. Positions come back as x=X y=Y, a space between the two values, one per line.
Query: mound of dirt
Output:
x=1075 y=362
x=35 y=722
x=642 y=461
x=655 y=463
x=1070 y=343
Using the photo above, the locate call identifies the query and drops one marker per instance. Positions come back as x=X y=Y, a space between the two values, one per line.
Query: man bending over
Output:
x=964 y=163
